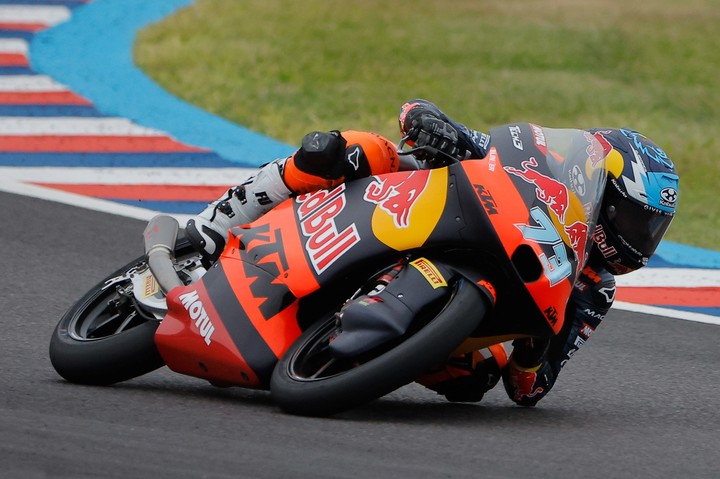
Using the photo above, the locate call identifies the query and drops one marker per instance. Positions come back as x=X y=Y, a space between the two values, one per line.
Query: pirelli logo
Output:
x=150 y=287
x=430 y=272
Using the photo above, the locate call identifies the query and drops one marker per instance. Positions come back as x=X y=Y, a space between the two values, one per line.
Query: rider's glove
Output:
x=429 y=130
x=526 y=386
x=423 y=124
x=463 y=378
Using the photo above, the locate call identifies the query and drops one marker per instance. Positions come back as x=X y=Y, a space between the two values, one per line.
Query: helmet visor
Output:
x=640 y=227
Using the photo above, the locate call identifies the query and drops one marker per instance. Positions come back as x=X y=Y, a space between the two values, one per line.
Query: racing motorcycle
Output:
x=337 y=297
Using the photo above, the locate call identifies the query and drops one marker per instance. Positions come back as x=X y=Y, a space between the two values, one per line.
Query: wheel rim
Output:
x=110 y=312
x=313 y=360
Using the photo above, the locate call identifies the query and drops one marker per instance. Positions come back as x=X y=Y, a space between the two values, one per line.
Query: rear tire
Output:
x=308 y=380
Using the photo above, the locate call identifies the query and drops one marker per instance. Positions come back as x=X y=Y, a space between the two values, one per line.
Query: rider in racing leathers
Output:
x=638 y=205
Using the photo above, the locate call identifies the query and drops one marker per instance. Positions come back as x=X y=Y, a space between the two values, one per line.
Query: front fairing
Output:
x=541 y=190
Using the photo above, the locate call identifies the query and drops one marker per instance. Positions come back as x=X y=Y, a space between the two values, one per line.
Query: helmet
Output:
x=639 y=201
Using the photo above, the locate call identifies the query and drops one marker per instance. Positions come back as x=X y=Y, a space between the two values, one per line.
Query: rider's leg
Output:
x=323 y=161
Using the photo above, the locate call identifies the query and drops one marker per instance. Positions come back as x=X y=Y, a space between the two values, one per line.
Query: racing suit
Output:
x=535 y=363
x=326 y=159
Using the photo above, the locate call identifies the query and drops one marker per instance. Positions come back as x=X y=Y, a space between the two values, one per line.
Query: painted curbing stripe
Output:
x=34 y=14
x=138 y=176
x=693 y=296
x=103 y=72
x=49 y=110
x=13 y=45
x=13 y=60
x=20 y=30
x=164 y=160
x=146 y=192
x=41 y=98
x=10 y=70
x=172 y=207
x=54 y=126
x=30 y=83
x=97 y=144
x=66 y=3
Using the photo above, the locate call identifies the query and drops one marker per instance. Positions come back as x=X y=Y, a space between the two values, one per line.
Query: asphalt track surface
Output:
x=639 y=400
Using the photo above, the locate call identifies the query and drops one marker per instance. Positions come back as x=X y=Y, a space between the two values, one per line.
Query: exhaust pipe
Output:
x=159 y=237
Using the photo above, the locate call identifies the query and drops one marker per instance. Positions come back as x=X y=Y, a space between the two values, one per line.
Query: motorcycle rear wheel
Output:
x=309 y=381
x=104 y=338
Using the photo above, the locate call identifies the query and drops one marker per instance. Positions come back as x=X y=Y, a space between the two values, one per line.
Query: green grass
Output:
x=284 y=67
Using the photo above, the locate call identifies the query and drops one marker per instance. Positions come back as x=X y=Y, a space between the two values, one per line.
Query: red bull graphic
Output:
x=578 y=234
x=397 y=194
x=595 y=155
x=548 y=190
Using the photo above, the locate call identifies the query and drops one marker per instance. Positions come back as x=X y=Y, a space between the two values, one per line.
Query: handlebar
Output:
x=440 y=157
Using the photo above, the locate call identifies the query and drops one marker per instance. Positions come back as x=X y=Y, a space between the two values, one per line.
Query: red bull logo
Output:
x=578 y=234
x=548 y=190
x=396 y=194
x=317 y=213
x=593 y=153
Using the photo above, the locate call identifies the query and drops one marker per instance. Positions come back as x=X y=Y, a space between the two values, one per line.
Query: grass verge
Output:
x=283 y=68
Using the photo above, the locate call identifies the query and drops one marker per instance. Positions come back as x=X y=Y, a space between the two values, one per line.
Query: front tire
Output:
x=308 y=380
x=106 y=337
x=102 y=339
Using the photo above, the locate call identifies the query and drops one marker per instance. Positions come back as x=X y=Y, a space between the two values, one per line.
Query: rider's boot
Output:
x=240 y=205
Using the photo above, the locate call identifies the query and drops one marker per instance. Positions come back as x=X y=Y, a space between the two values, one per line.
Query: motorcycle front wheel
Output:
x=106 y=337
x=309 y=380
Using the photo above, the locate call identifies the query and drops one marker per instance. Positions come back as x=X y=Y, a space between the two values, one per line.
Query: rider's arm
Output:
x=534 y=365
x=473 y=143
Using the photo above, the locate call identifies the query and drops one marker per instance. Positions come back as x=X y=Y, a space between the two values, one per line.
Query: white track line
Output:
x=665 y=312
x=87 y=202
x=670 y=278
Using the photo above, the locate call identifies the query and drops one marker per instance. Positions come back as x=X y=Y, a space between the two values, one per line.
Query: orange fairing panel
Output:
x=517 y=225
x=192 y=340
x=273 y=243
